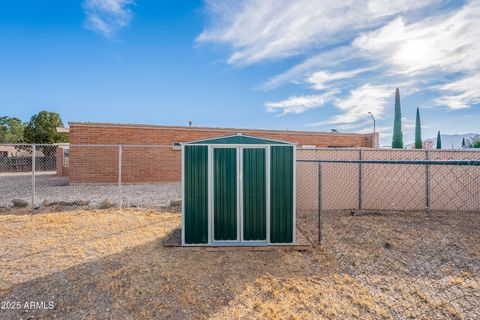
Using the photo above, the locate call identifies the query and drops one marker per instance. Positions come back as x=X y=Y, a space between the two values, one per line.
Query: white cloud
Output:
x=367 y=98
x=446 y=43
x=430 y=50
x=325 y=60
x=382 y=130
x=299 y=104
x=272 y=29
x=465 y=92
x=319 y=80
x=354 y=107
x=443 y=45
x=107 y=17
x=366 y=45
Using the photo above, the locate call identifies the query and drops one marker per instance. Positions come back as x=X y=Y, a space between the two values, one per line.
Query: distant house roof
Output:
x=239 y=139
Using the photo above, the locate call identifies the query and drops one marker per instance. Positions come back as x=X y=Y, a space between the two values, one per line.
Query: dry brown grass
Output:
x=300 y=297
x=111 y=264
x=38 y=245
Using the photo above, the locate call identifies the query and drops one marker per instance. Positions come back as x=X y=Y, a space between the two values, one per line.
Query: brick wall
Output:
x=143 y=164
x=387 y=186
x=59 y=162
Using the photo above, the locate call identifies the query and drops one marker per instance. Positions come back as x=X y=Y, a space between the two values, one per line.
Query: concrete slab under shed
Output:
x=174 y=239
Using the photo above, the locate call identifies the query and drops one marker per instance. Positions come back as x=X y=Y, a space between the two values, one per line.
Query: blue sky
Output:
x=299 y=65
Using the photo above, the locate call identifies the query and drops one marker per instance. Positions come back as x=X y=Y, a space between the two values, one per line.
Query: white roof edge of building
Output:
x=63 y=130
x=153 y=126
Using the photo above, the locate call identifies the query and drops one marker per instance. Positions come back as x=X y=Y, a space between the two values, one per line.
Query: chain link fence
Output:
x=60 y=177
x=403 y=223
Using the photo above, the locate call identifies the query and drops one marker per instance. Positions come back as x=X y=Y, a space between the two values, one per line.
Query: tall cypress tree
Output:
x=463 y=142
x=397 y=140
x=418 y=131
x=439 y=141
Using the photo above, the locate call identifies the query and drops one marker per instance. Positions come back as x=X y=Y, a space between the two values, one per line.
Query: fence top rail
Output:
x=418 y=162
x=83 y=145
x=298 y=149
x=125 y=145
x=111 y=145
x=33 y=144
x=340 y=149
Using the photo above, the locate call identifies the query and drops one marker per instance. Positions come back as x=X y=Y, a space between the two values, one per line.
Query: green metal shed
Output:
x=238 y=190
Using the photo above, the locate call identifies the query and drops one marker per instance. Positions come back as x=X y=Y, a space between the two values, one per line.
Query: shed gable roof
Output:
x=239 y=139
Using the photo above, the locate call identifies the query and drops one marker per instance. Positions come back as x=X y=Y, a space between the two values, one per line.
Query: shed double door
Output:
x=239 y=194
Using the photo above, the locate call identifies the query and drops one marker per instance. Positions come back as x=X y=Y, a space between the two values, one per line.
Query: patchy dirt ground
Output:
x=111 y=264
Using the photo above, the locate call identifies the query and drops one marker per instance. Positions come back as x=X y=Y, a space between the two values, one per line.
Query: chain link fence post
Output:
x=320 y=203
x=360 y=180
x=34 y=156
x=427 y=183
x=120 y=151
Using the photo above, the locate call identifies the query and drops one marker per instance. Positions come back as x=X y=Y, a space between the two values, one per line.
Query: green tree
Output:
x=463 y=143
x=11 y=130
x=418 y=131
x=476 y=143
x=42 y=129
x=439 y=140
x=397 y=140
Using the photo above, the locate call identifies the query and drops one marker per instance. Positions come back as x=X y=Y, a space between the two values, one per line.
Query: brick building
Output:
x=151 y=153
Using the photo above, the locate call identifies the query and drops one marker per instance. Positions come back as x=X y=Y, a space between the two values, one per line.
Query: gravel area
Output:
x=50 y=187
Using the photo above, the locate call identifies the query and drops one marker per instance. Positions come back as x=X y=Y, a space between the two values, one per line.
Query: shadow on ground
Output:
x=148 y=281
